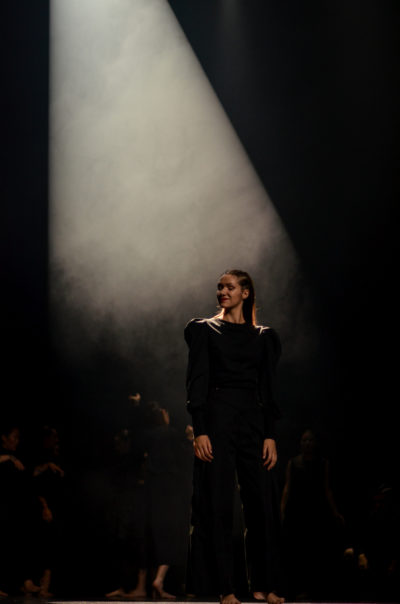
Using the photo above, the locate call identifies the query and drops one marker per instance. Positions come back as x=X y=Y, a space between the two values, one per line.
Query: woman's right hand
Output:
x=47 y=514
x=18 y=464
x=55 y=468
x=203 y=448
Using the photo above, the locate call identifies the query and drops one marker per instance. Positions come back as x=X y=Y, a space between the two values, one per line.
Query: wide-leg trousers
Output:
x=235 y=426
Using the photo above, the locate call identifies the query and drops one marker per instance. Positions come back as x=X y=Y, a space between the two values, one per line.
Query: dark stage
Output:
x=145 y=601
x=143 y=153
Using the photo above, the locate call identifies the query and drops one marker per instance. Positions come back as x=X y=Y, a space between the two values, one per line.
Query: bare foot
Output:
x=229 y=599
x=271 y=598
x=117 y=593
x=45 y=594
x=136 y=594
x=159 y=593
x=30 y=588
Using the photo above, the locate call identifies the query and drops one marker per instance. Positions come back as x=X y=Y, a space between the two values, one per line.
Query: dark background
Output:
x=312 y=90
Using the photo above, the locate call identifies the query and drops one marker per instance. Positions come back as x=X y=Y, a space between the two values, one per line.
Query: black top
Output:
x=231 y=355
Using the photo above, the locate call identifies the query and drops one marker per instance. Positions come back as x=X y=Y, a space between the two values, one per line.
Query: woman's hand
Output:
x=203 y=448
x=18 y=464
x=39 y=469
x=269 y=455
x=55 y=468
x=48 y=466
x=47 y=514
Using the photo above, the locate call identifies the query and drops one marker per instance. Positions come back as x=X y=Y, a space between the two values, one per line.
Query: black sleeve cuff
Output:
x=269 y=428
x=199 y=423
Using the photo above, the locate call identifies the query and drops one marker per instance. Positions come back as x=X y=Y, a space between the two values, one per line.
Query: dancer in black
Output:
x=230 y=385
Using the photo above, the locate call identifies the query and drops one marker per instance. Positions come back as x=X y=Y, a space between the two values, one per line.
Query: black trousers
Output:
x=235 y=426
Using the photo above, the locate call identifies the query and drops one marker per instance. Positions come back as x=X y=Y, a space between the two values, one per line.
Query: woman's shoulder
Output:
x=195 y=325
x=203 y=323
x=270 y=337
x=194 y=328
x=266 y=331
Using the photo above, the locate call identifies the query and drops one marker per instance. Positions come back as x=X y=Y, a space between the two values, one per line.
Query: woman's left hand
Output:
x=270 y=455
x=47 y=514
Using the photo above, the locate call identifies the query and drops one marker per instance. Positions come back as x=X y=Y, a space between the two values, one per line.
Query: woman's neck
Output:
x=233 y=316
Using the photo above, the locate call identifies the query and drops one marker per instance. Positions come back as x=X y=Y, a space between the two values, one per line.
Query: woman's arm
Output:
x=329 y=495
x=286 y=490
x=267 y=380
x=197 y=377
x=47 y=466
x=46 y=511
x=197 y=381
x=17 y=463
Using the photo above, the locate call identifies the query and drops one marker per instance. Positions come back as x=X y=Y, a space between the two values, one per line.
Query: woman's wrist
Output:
x=199 y=427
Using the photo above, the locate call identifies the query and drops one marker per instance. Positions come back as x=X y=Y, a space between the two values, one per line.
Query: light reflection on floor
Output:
x=24 y=600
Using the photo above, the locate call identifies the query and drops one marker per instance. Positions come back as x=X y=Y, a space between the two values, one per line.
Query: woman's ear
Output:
x=245 y=294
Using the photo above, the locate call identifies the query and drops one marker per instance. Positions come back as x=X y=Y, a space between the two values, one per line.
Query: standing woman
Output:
x=230 y=385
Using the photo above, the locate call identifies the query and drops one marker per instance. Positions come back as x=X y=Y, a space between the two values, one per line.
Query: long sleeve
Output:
x=267 y=381
x=197 y=378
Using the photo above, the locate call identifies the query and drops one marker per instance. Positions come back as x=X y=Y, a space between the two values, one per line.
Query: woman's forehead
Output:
x=228 y=279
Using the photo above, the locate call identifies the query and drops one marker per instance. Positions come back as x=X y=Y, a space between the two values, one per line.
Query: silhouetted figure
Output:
x=230 y=385
x=17 y=512
x=162 y=502
x=49 y=486
x=308 y=512
x=128 y=510
x=379 y=548
x=186 y=459
x=149 y=504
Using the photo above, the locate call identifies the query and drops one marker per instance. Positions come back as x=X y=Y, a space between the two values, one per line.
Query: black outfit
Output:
x=230 y=384
x=49 y=535
x=309 y=529
x=18 y=513
x=162 y=495
x=127 y=520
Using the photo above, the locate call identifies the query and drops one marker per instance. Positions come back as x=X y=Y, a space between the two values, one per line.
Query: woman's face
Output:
x=308 y=442
x=10 y=441
x=230 y=293
x=51 y=442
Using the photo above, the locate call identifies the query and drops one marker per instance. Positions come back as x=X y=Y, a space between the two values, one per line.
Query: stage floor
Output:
x=24 y=600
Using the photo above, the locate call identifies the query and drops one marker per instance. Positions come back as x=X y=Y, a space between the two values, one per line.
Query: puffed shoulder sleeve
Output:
x=197 y=377
x=267 y=380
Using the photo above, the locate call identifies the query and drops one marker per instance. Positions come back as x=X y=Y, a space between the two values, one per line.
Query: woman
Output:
x=161 y=498
x=312 y=524
x=49 y=486
x=230 y=383
x=154 y=524
x=17 y=515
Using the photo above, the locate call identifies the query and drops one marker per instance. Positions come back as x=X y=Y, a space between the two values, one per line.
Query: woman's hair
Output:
x=156 y=414
x=7 y=427
x=249 y=304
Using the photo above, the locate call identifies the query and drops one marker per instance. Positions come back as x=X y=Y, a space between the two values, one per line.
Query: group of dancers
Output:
x=231 y=384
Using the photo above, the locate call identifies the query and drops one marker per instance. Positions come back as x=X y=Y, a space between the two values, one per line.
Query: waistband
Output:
x=237 y=395
x=232 y=388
